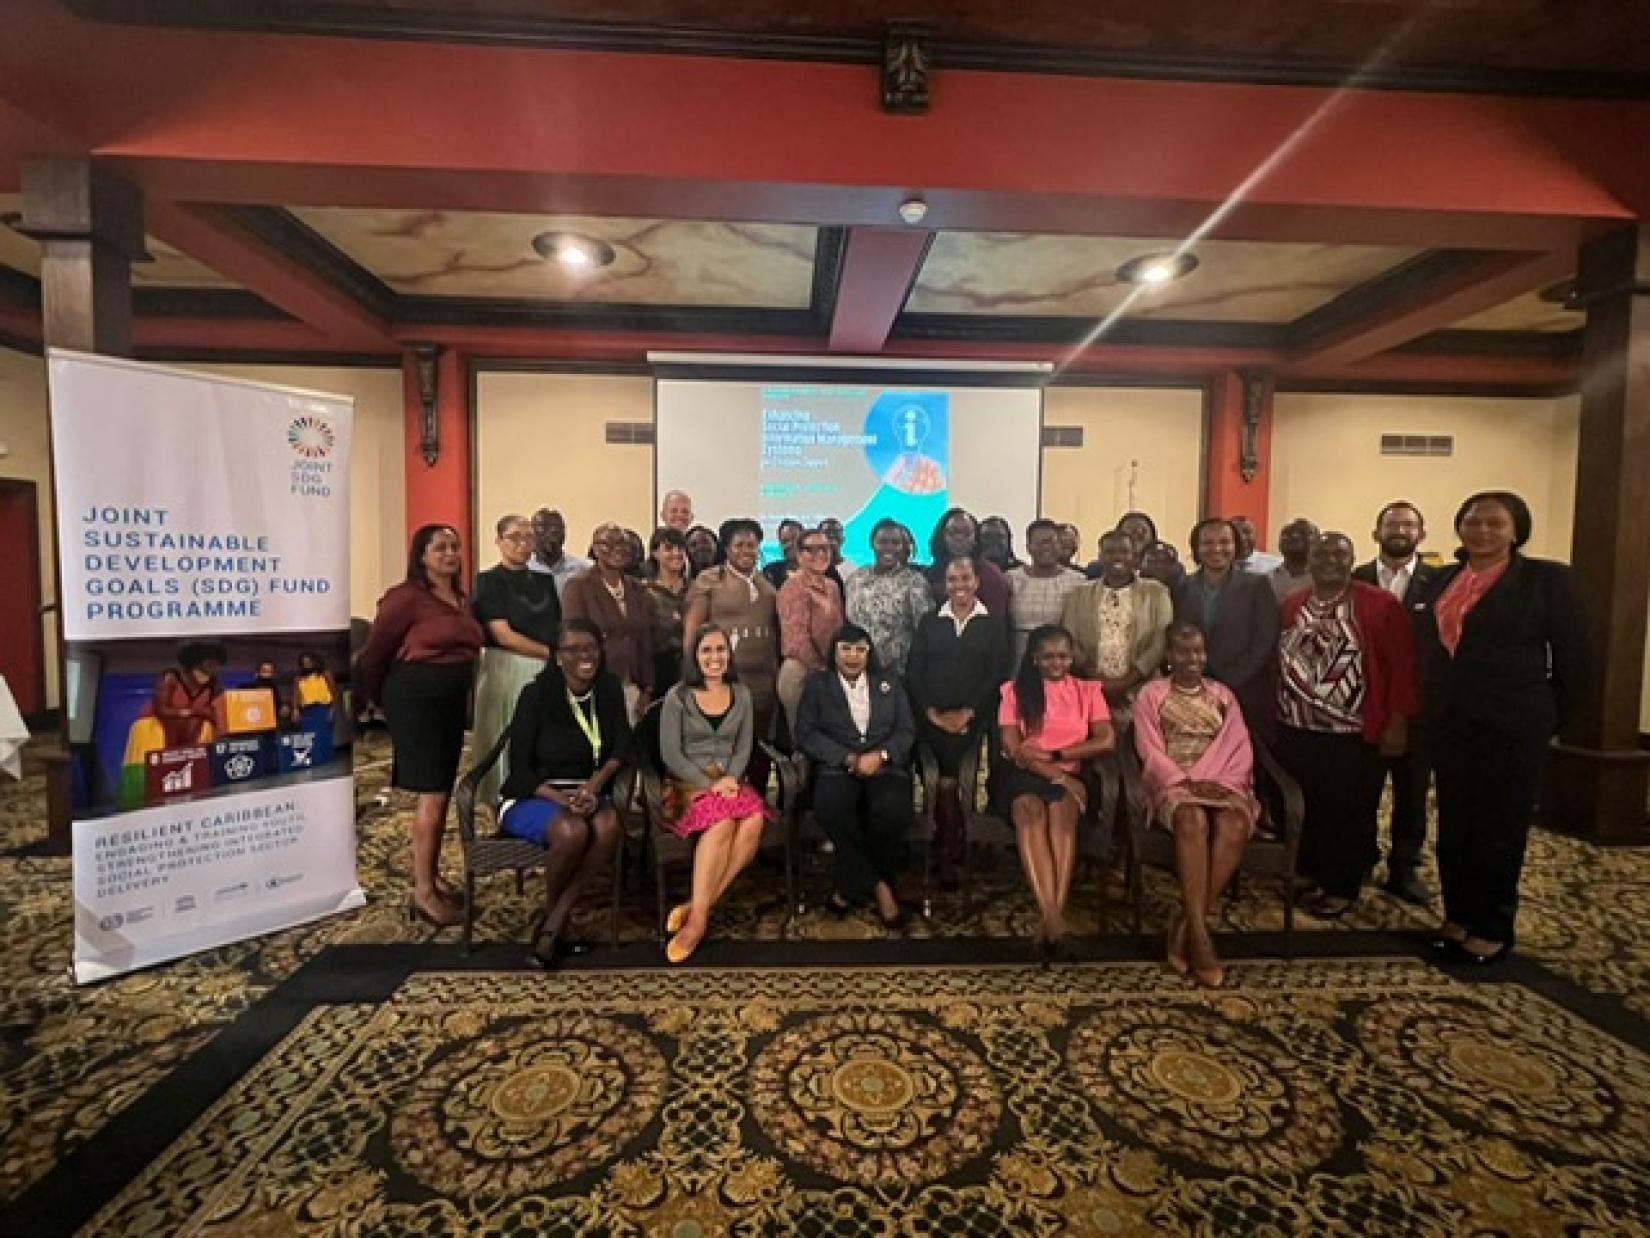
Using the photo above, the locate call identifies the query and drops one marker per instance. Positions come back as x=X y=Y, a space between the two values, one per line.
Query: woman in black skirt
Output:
x=417 y=664
x=958 y=659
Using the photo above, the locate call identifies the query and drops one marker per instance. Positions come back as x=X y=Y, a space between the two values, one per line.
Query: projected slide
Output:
x=852 y=452
x=857 y=455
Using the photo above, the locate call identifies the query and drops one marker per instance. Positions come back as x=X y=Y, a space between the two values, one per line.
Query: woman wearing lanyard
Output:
x=568 y=740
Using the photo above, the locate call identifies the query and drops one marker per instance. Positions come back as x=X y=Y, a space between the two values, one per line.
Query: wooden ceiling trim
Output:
x=999 y=55
x=1425 y=296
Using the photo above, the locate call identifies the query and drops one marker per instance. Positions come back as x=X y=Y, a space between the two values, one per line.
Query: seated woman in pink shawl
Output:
x=1195 y=755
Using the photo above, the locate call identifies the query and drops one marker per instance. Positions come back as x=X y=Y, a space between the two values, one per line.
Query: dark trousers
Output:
x=868 y=821
x=1488 y=780
x=1411 y=776
x=1340 y=777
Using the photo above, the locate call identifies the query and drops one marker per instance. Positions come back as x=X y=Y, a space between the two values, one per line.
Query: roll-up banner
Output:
x=203 y=531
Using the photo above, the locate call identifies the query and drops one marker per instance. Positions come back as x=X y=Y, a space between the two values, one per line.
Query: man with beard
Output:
x=549 y=549
x=1399 y=531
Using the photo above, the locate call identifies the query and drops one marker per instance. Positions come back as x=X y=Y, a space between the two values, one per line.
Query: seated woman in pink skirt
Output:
x=706 y=732
x=1195 y=753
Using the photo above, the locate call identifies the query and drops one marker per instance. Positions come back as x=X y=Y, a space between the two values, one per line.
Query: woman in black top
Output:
x=568 y=739
x=1505 y=657
x=519 y=611
x=958 y=660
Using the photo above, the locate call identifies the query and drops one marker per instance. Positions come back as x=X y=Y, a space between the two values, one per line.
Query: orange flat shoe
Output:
x=677 y=917
x=677 y=952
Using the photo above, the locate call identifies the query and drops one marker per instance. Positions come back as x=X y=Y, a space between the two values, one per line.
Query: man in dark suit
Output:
x=1399 y=531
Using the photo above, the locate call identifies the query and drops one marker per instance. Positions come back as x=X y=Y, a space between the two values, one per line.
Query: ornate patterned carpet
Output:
x=360 y=1076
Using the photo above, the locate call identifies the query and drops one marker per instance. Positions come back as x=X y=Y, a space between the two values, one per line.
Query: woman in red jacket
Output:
x=1346 y=692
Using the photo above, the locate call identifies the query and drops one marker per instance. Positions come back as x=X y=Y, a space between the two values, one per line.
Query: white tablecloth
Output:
x=13 y=734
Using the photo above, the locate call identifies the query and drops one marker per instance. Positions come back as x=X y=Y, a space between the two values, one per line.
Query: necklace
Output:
x=750 y=581
x=616 y=594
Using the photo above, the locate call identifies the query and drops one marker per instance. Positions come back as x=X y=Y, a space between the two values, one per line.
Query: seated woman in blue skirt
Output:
x=569 y=737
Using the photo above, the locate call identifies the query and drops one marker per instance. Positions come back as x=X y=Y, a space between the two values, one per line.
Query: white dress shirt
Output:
x=978 y=611
x=1395 y=580
x=859 y=702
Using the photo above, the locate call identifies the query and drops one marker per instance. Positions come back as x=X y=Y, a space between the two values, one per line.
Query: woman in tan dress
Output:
x=737 y=598
x=1197 y=764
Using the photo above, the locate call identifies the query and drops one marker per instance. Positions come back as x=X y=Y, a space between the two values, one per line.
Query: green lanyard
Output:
x=591 y=725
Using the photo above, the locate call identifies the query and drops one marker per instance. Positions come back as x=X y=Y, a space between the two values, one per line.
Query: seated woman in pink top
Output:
x=1050 y=723
x=1196 y=759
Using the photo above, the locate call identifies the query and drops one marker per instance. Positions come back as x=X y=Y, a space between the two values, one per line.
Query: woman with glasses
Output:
x=568 y=739
x=519 y=611
x=854 y=723
x=619 y=606
x=810 y=612
x=417 y=663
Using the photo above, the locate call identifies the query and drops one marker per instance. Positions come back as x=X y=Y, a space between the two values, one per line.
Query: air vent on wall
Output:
x=630 y=432
x=1062 y=436
x=1417 y=444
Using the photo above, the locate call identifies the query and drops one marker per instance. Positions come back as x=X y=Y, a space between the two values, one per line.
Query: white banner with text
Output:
x=203 y=538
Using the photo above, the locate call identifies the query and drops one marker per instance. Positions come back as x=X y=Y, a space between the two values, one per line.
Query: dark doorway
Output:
x=22 y=648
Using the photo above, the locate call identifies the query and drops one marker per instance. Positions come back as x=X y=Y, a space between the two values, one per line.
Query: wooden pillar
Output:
x=437 y=442
x=90 y=228
x=1237 y=468
x=1598 y=777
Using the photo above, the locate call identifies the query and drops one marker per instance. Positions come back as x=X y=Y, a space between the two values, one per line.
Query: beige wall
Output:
x=1142 y=448
x=24 y=430
x=1327 y=463
x=540 y=442
x=377 y=477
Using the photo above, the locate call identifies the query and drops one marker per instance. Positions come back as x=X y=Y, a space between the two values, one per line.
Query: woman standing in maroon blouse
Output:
x=417 y=664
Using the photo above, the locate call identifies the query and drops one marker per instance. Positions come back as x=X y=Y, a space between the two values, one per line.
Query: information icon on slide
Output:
x=913 y=471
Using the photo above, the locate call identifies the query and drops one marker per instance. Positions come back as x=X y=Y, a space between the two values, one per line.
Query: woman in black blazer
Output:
x=568 y=739
x=855 y=724
x=1505 y=655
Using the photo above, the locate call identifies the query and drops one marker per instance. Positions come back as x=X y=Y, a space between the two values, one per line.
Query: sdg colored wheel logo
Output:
x=311 y=438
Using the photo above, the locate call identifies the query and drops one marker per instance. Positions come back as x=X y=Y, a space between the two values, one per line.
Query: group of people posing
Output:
x=1352 y=674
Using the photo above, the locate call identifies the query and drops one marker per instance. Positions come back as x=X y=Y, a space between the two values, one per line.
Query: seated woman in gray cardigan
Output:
x=706 y=731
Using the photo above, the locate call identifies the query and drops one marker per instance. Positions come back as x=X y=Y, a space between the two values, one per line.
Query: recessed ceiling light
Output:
x=1561 y=294
x=1155 y=270
x=575 y=252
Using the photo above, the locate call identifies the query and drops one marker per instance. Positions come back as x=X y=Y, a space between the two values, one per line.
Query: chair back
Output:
x=650 y=762
x=471 y=782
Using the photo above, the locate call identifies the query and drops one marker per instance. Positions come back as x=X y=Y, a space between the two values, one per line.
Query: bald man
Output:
x=676 y=510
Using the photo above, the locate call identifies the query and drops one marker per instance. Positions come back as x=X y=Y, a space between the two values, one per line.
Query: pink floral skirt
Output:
x=712 y=809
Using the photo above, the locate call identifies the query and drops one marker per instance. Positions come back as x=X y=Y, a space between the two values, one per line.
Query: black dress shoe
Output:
x=547 y=952
x=1495 y=956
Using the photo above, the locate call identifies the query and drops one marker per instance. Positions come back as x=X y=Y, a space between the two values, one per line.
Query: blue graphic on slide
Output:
x=908 y=449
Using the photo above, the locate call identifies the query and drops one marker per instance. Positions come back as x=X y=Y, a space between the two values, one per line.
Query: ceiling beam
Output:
x=878 y=271
x=1382 y=316
x=727 y=138
x=210 y=236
